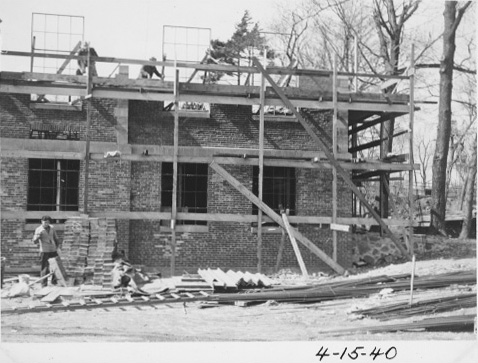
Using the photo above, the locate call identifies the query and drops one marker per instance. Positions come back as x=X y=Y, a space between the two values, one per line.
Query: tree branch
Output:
x=459 y=15
x=437 y=65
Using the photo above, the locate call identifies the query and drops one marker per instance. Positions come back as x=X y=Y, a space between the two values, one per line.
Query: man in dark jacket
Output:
x=147 y=71
x=83 y=63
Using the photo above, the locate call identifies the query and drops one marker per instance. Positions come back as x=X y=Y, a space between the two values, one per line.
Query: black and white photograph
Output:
x=238 y=181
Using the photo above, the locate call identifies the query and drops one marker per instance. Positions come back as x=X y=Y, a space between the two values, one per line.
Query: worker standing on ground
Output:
x=48 y=240
x=83 y=63
x=147 y=71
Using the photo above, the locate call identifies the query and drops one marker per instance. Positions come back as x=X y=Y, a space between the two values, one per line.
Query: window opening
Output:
x=279 y=188
x=53 y=185
x=192 y=189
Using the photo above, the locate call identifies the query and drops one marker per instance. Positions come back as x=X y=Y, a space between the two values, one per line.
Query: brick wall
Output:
x=109 y=186
x=17 y=246
x=135 y=186
x=228 y=245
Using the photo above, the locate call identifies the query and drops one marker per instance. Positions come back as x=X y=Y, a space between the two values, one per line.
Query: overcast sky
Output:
x=126 y=28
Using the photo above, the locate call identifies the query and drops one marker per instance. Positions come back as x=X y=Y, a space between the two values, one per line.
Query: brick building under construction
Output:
x=191 y=188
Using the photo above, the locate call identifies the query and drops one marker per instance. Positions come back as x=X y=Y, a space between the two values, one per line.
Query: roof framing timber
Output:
x=204 y=67
x=158 y=90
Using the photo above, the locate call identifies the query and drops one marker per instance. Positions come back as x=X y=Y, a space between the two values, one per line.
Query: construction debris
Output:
x=279 y=294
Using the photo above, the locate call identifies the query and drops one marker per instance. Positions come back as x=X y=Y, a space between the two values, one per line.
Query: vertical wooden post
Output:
x=174 y=207
x=32 y=57
x=411 y=172
x=355 y=63
x=58 y=185
x=412 y=281
x=334 y=151
x=121 y=113
x=261 y=170
x=87 y=136
x=356 y=205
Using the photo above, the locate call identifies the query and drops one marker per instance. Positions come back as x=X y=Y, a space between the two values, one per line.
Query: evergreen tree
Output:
x=245 y=40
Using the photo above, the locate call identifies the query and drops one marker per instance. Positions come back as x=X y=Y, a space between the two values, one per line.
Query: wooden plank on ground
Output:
x=52 y=296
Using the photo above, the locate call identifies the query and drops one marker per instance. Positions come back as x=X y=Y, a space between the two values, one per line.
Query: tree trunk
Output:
x=440 y=158
x=469 y=195
x=463 y=192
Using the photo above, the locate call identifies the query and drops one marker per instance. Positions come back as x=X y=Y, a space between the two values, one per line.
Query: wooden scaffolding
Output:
x=364 y=110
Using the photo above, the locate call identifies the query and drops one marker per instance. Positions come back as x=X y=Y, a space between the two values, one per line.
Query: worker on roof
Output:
x=147 y=71
x=83 y=63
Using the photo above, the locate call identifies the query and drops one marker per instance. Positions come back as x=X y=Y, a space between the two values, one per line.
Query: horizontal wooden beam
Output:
x=210 y=217
x=375 y=143
x=16 y=144
x=150 y=95
x=30 y=154
x=203 y=66
x=74 y=150
x=367 y=124
x=371 y=174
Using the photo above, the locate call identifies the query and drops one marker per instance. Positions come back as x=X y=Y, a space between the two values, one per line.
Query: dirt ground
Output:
x=268 y=322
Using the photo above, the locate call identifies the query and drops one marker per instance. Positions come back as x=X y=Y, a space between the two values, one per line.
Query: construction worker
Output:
x=83 y=63
x=147 y=71
x=47 y=239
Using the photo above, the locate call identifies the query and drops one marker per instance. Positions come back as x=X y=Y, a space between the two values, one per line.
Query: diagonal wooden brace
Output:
x=276 y=217
x=345 y=176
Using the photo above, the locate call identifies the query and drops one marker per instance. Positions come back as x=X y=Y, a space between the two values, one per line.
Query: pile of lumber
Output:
x=459 y=323
x=429 y=306
x=352 y=288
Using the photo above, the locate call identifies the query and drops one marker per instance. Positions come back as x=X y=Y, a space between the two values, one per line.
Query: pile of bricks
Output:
x=102 y=244
x=87 y=248
x=75 y=247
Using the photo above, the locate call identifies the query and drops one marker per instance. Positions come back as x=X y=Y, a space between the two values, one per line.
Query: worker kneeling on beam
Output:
x=147 y=71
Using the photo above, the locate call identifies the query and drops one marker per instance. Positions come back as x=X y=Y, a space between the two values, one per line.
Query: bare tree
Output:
x=469 y=195
x=456 y=151
x=452 y=18
x=424 y=155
